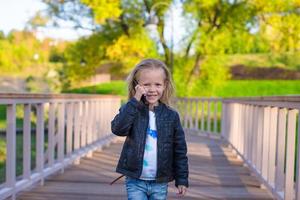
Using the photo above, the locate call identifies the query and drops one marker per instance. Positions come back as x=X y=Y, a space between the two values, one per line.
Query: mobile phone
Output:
x=143 y=99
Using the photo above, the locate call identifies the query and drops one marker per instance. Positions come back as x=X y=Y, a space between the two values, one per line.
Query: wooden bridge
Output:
x=244 y=148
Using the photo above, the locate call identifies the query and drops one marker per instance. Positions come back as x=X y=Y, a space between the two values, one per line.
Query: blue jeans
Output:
x=145 y=190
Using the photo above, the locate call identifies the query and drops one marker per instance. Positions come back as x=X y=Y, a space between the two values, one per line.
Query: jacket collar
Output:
x=157 y=109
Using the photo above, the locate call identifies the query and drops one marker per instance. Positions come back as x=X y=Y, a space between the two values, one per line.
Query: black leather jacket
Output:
x=132 y=121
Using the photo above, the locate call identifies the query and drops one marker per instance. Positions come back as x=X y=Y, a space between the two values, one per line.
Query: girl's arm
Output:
x=123 y=121
x=180 y=157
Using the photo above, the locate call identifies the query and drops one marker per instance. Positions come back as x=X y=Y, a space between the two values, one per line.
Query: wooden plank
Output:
x=251 y=134
x=202 y=116
x=11 y=145
x=51 y=134
x=70 y=120
x=83 y=119
x=185 y=116
x=61 y=132
x=254 y=132
x=208 y=116
x=298 y=161
x=266 y=142
x=101 y=118
x=290 y=155
x=89 y=122
x=190 y=113
x=27 y=142
x=215 y=117
x=279 y=178
x=77 y=125
x=212 y=176
x=243 y=125
x=98 y=127
x=223 y=120
x=272 y=150
x=197 y=115
x=260 y=138
x=40 y=140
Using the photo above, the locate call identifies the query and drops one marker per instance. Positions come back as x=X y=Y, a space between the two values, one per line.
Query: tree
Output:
x=122 y=21
x=216 y=27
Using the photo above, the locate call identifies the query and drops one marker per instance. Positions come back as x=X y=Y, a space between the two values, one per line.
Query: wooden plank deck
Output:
x=215 y=173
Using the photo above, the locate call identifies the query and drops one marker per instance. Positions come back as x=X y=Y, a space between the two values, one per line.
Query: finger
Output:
x=139 y=89
x=143 y=89
x=179 y=190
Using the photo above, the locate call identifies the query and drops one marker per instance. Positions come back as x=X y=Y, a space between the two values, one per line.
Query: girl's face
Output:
x=153 y=80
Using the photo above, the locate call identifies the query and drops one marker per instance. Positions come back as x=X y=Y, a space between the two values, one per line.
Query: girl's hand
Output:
x=139 y=92
x=181 y=190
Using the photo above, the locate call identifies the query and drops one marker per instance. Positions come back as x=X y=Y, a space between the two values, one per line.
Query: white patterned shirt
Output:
x=150 y=153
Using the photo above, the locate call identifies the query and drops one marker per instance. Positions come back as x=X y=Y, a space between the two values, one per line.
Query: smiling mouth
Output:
x=151 y=95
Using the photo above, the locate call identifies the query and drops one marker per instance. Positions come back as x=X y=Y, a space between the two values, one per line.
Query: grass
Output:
x=242 y=88
x=19 y=155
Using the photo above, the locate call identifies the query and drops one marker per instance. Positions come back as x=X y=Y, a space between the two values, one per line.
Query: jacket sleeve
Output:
x=123 y=121
x=180 y=155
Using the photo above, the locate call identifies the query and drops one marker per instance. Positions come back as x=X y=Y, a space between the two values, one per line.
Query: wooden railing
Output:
x=263 y=131
x=76 y=125
x=202 y=115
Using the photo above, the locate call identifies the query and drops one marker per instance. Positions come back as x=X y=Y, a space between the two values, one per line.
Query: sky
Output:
x=15 y=13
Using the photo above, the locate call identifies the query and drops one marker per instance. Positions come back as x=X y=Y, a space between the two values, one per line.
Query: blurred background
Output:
x=221 y=48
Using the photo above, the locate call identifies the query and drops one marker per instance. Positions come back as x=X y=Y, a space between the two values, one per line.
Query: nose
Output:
x=151 y=89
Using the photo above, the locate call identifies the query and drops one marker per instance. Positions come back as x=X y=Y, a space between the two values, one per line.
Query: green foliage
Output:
x=120 y=38
x=114 y=87
x=130 y=50
x=38 y=20
x=212 y=77
x=283 y=60
x=84 y=57
x=205 y=80
x=23 y=55
x=2 y=36
x=104 y=9
x=291 y=60
x=81 y=59
x=182 y=68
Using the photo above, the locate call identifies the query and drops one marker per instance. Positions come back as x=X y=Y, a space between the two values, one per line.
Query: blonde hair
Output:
x=132 y=80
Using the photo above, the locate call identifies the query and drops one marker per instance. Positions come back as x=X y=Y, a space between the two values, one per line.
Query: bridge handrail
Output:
x=201 y=115
x=263 y=131
x=77 y=125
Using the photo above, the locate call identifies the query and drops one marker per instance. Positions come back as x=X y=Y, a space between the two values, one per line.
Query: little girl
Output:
x=154 y=152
